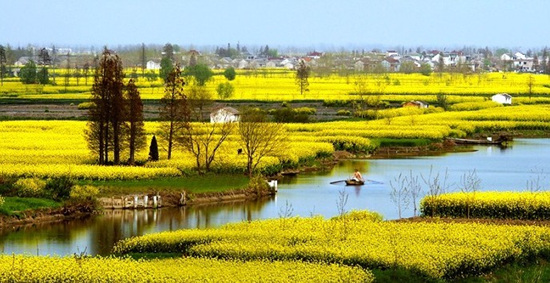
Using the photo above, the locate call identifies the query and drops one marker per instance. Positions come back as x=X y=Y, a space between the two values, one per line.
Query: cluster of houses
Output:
x=389 y=61
x=523 y=63
x=373 y=61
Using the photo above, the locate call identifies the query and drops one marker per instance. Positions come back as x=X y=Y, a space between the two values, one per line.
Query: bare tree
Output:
x=437 y=184
x=203 y=140
x=68 y=73
x=399 y=192
x=260 y=138
x=2 y=63
x=302 y=75
x=469 y=184
x=143 y=59
x=415 y=191
x=174 y=113
x=199 y=98
x=136 y=131
x=536 y=180
x=530 y=85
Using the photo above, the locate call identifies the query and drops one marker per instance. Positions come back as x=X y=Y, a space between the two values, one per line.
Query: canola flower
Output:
x=97 y=269
x=436 y=250
x=494 y=205
x=58 y=148
x=279 y=85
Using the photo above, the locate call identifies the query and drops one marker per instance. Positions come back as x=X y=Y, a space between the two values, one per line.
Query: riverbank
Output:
x=46 y=215
x=183 y=198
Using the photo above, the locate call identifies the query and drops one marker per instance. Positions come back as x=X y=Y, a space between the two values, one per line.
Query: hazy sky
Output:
x=319 y=24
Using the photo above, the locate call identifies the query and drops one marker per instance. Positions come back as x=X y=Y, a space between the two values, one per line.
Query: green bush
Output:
x=59 y=188
x=85 y=192
x=258 y=183
x=337 y=103
x=343 y=112
x=350 y=143
x=289 y=115
x=85 y=105
x=305 y=110
x=30 y=187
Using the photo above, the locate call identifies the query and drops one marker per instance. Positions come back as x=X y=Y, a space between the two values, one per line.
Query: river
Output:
x=512 y=168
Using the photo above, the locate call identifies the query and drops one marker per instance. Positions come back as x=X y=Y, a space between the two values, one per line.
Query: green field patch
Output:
x=18 y=204
x=193 y=184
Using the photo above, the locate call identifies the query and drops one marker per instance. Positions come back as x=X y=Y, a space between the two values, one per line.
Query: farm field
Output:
x=57 y=148
x=280 y=85
x=432 y=251
x=53 y=149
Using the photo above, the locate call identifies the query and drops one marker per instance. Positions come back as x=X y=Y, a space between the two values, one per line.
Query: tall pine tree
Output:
x=134 y=116
x=105 y=127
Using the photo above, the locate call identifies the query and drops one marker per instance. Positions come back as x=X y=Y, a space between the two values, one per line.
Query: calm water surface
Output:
x=303 y=195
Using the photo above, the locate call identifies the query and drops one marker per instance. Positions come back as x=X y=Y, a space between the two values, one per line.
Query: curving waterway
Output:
x=527 y=160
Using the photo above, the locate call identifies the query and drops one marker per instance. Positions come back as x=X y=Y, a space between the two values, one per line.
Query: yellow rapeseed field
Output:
x=276 y=85
x=58 y=148
x=495 y=205
x=437 y=250
x=96 y=269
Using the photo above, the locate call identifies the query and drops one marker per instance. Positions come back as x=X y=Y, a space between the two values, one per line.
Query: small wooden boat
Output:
x=352 y=182
x=480 y=141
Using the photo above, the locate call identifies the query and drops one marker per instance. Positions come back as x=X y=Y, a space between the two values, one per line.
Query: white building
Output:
x=152 y=65
x=224 y=114
x=502 y=98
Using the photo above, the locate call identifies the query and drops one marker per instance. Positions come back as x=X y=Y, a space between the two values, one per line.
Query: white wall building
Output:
x=224 y=115
x=502 y=98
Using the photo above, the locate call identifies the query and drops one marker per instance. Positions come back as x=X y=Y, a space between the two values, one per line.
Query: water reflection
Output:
x=98 y=234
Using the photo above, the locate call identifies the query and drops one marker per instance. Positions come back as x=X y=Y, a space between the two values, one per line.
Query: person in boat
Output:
x=357 y=176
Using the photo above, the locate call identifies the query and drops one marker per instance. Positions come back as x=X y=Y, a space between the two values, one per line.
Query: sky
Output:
x=314 y=24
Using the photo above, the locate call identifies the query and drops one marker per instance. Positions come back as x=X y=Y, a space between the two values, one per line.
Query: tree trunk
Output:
x=131 y=160
x=116 y=143
x=170 y=139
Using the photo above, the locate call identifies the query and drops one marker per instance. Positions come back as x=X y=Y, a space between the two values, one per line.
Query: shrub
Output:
x=343 y=112
x=289 y=115
x=2 y=200
x=305 y=110
x=85 y=105
x=30 y=187
x=59 y=188
x=258 y=183
x=86 y=192
x=225 y=90
x=361 y=215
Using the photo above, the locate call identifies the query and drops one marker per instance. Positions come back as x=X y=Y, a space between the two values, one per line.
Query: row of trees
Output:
x=116 y=116
x=116 y=122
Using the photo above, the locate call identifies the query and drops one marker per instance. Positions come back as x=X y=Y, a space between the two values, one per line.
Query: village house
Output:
x=416 y=103
x=152 y=65
x=502 y=98
x=224 y=114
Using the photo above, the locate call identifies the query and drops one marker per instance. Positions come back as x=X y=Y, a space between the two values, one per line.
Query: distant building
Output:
x=152 y=65
x=224 y=114
x=502 y=98
x=416 y=103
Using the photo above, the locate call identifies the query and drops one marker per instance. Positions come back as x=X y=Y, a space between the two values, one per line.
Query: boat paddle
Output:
x=335 y=182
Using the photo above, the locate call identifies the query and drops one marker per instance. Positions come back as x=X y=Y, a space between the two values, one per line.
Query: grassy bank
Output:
x=13 y=205
x=194 y=184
